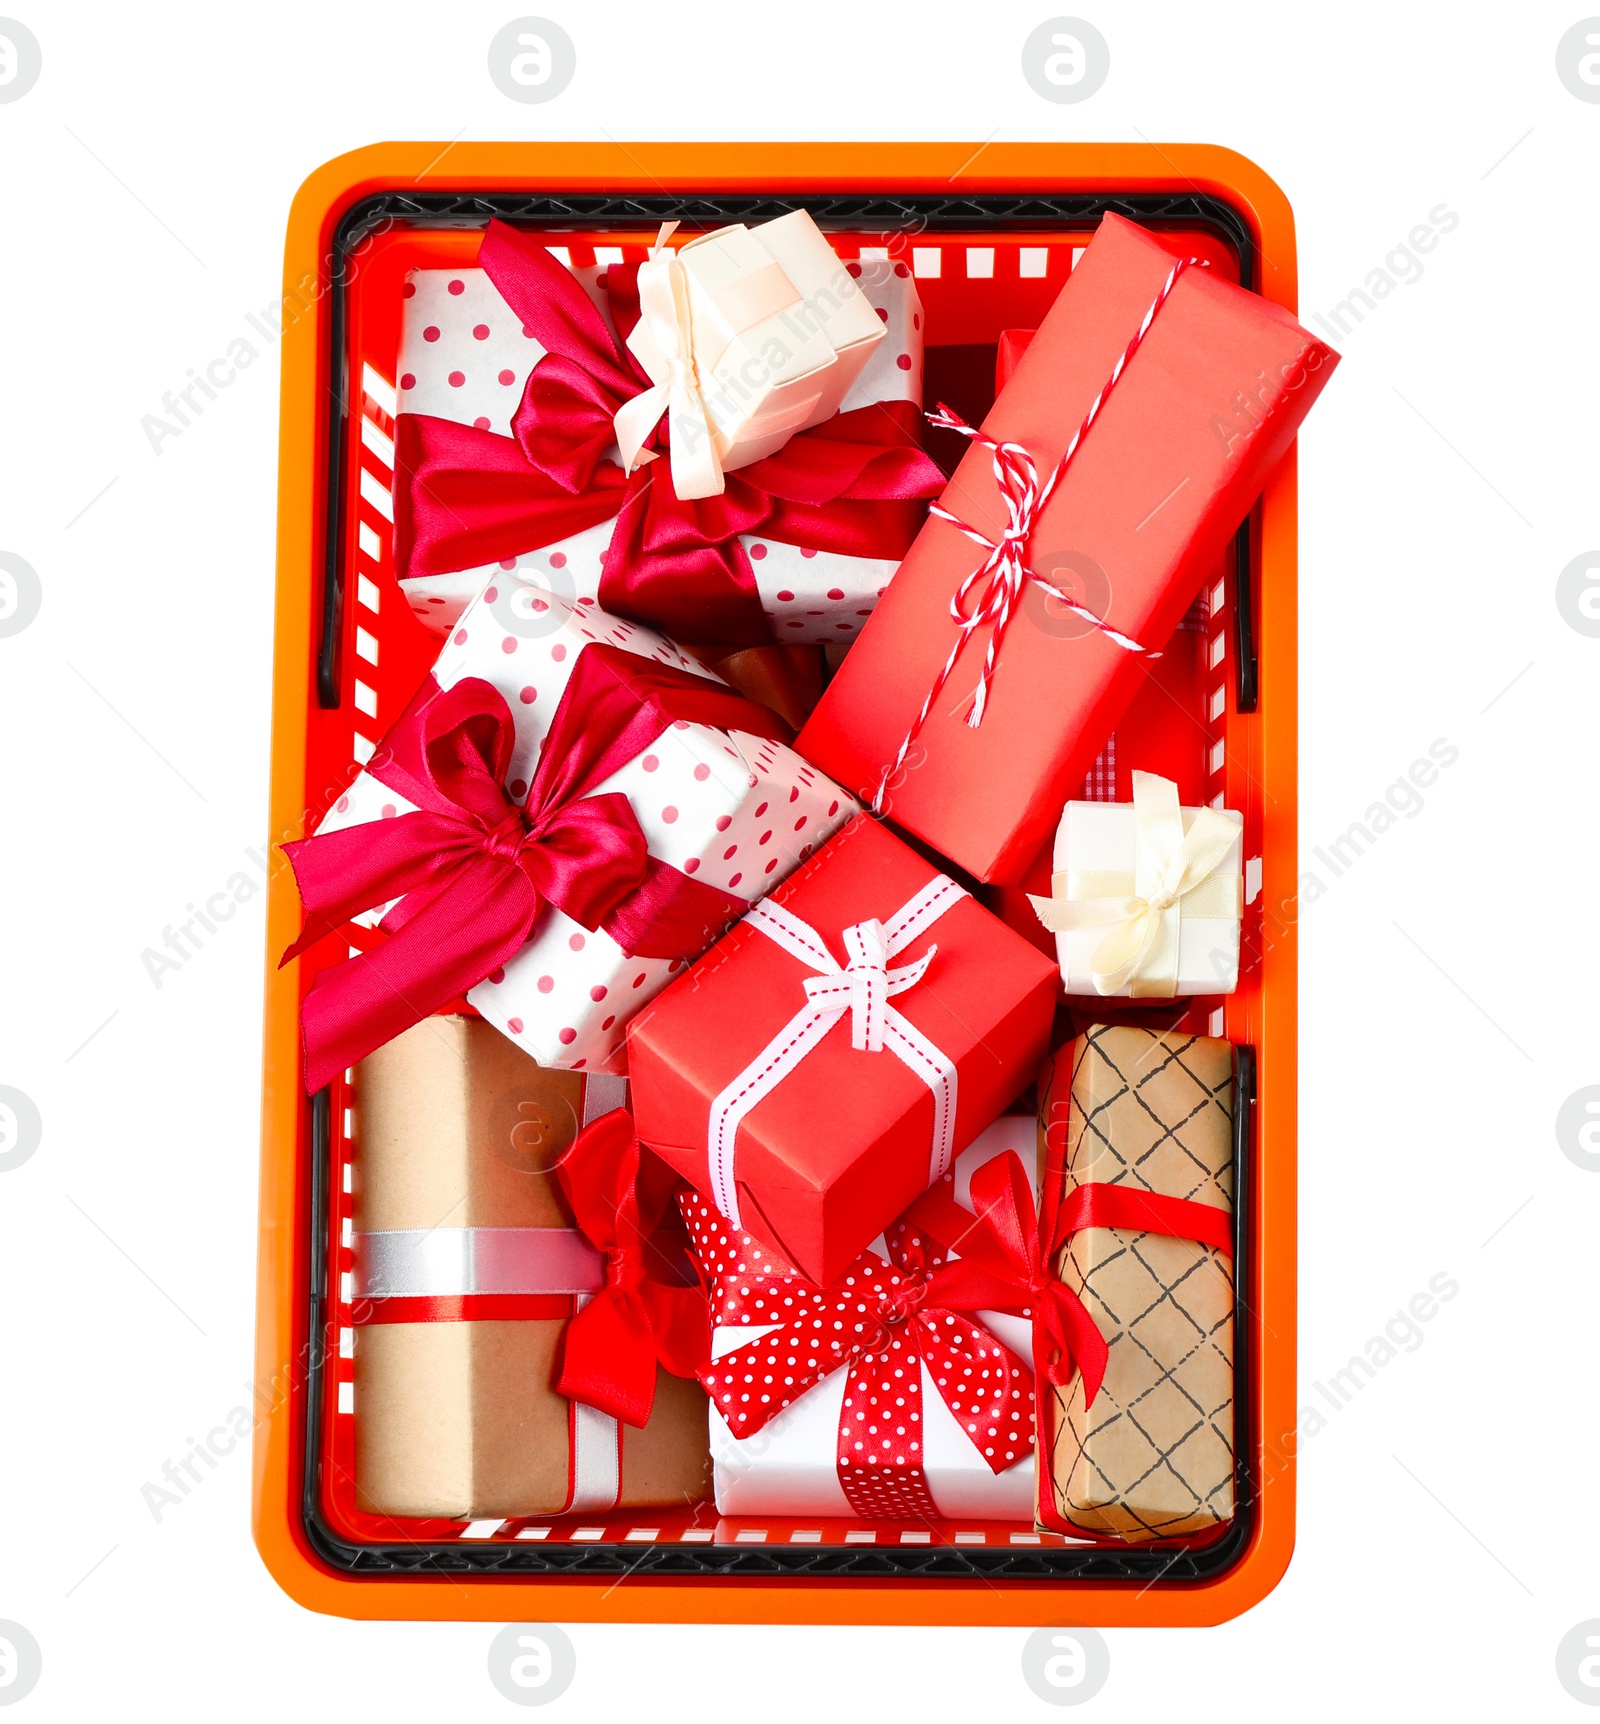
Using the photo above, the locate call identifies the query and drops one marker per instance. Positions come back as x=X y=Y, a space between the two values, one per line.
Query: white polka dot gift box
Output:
x=502 y=469
x=873 y=1398
x=826 y=1061
x=557 y=888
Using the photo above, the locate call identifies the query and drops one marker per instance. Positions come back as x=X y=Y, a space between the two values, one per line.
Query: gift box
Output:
x=852 y=1431
x=774 y=330
x=827 y=1061
x=502 y=468
x=1146 y=896
x=1133 y=437
x=472 y=1273
x=567 y=812
x=1136 y=1147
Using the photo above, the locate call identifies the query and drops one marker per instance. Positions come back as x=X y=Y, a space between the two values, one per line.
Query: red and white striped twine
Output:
x=991 y=592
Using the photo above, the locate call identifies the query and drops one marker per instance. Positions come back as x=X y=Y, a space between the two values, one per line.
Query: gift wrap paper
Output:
x=736 y=810
x=464 y=356
x=790 y=1467
x=457 y=1128
x=1154 y=1456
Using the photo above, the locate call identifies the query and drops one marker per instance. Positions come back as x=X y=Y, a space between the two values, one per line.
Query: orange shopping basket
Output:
x=989 y=238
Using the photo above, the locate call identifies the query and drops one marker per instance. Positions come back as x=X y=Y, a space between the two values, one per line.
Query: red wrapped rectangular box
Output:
x=756 y=1077
x=1204 y=409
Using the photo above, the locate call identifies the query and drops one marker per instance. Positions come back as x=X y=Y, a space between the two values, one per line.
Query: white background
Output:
x=1447 y=1515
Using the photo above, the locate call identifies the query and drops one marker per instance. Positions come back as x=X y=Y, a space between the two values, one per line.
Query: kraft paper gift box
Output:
x=461 y=1231
x=972 y=738
x=825 y=1062
x=1111 y=859
x=1144 y=1121
x=801 y=1462
x=732 y=809
x=465 y=356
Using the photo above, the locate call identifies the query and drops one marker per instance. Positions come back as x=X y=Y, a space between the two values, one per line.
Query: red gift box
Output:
x=971 y=730
x=824 y=1063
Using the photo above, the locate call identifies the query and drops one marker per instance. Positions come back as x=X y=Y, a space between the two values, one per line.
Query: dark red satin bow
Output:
x=610 y=1348
x=466 y=498
x=1012 y=1263
x=473 y=872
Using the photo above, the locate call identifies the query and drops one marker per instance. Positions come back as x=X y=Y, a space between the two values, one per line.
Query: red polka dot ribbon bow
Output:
x=465 y=497
x=473 y=872
x=884 y=1321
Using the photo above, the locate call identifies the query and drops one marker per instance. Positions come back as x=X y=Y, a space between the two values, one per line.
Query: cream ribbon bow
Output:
x=863 y=987
x=1140 y=952
x=675 y=384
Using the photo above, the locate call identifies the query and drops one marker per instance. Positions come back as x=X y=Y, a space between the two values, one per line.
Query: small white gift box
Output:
x=1146 y=897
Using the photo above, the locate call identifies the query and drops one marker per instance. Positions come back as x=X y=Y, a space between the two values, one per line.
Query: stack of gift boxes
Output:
x=733 y=1118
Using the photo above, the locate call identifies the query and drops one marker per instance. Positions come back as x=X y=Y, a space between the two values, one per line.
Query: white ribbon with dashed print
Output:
x=863 y=987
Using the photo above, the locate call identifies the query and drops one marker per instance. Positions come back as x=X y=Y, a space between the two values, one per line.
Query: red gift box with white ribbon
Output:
x=828 y=1059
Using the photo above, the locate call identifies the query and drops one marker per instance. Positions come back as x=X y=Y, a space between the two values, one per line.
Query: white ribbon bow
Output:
x=863 y=987
x=675 y=391
x=1140 y=952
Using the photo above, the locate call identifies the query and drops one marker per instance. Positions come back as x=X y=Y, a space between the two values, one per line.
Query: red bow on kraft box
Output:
x=882 y=1322
x=466 y=497
x=637 y=1316
x=473 y=872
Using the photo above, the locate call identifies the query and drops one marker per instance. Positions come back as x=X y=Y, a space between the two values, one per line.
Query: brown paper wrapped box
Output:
x=457 y=1128
x=1154 y=1456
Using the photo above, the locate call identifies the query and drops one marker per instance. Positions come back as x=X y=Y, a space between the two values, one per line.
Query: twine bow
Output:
x=988 y=597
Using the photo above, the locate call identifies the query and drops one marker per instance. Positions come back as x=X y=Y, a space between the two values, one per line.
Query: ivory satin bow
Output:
x=674 y=377
x=863 y=988
x=1175 y=874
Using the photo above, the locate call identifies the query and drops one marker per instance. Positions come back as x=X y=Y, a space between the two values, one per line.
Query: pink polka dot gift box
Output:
x=826 y=1061
x=558 y=888
x=884 y=1395
x=510 y=376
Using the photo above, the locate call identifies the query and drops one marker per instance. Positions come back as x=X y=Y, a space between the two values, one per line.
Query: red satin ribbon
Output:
x=474 y=873
x=611 y=1347
x=883 y=1322
x=465 y=497
x=1002 y=1245
x=463 y=1308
